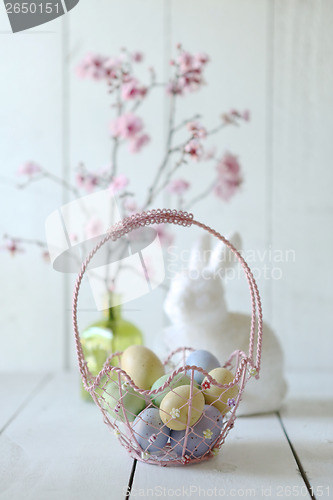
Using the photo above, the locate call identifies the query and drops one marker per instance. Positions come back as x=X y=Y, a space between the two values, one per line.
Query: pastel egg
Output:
x=149 y=430
x=175 y=407
x=125 y=404
x=142 y=365
x=203 y=359
x=202 y=436
x=178 y=380
x=218 y=396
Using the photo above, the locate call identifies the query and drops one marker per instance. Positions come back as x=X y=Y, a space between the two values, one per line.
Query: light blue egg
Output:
x=149 y=430
x=203 y=359
x=202 y=436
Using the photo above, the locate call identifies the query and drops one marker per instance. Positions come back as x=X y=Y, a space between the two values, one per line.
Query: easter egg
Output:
x=175 y=407
x=142 y=365
x=149 y=430
x=121 y=405
x=202 y=436
x=179 y=379
x=202 y=359
x=219 y=396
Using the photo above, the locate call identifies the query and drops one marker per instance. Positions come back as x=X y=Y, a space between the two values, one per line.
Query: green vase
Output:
x=111 y=334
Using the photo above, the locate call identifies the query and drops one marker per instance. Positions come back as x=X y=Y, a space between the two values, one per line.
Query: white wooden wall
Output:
x=274 y=58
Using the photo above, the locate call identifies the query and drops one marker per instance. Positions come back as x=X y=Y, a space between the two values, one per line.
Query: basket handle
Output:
x=183 y=219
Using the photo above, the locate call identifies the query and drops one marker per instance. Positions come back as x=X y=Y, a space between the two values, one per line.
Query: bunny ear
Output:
x=200 y=252
x=222 y=257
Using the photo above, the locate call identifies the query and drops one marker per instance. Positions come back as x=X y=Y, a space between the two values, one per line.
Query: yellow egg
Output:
x=175 y=408
x=142 y=365
x=218 y=396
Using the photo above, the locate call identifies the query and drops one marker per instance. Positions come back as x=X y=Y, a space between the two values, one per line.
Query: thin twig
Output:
x=200 y=196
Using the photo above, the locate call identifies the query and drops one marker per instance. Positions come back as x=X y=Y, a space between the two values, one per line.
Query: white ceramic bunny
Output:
x=197 y=309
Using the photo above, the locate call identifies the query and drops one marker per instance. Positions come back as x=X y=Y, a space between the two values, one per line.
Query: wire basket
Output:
x=196 y=426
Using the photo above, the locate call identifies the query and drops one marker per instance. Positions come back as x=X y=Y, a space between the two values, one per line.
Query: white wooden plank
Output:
x=59 y=447
x=104 y=28
x=255 y=461
x=308 y=420
x=30 y=129
x=302 y=179
x=234 y=35
x=15 y=391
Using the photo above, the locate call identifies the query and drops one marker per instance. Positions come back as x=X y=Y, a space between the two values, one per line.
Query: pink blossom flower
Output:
x=201 y=59
x=13 y=247
x=174 y=88
x=114 y=63
x=132 y=89
x=29 y=168
x=92 y=66
x=186 y=61
x=94 y=227
x=229 y=177
x=246 y=115
x=191 y=81
x=194 y=149
x=235 y=113
x=197 y=129
x=86 y=181
x=46 y=256
x=126 y=126
x=137 y=57
x=138 y=142
x=178 y=186
x=165 y=237
x=118 y=184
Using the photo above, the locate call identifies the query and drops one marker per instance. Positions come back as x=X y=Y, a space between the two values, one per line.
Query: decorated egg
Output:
x=149 y=430
x=203 y=435
x=175 y=407
x=202 y=359
x=142 y=365
x=179 y=379
x=223 y=399
x=125 y=404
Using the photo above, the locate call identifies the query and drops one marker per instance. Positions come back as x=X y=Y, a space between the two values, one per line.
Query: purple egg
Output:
x=149 y=430
x=202 y=359
x=202 y=436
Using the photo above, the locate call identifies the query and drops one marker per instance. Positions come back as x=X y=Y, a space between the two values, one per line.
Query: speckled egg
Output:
x=142 y=365
x=218 y=396
x=150 y=432
x=203 y=359
x=174 y=408
x=178 y=380
x=127 y=404
x=203 y=435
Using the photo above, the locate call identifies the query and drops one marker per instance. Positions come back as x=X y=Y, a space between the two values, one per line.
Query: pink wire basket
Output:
x=146 y=438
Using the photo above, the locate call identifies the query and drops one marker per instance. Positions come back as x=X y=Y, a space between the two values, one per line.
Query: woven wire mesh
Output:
x=122 y=402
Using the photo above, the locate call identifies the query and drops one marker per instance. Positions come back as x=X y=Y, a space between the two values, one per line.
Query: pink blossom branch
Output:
x=58 y=180
x=185 y=122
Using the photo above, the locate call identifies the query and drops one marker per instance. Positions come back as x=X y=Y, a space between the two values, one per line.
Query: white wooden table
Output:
x=55 y=446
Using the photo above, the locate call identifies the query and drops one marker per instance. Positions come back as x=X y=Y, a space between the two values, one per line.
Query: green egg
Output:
x=127 y=404
x=178 y=380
